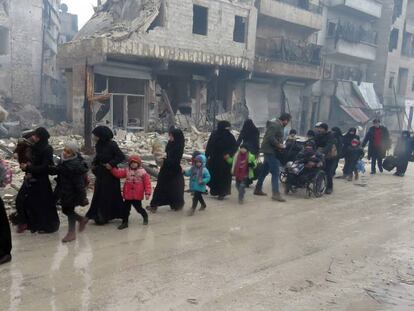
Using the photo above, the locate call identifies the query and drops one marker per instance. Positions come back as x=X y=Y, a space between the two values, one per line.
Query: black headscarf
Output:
x=175 y=149
x=43 y=136
x=223 y=125
x=104 y=133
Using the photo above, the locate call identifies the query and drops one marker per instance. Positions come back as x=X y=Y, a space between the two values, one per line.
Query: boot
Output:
x=82 y=224
x=259 y=192
x=203 y=207
x=349 y=177
x=71 y=235
x=277 y=197
x=145 y=223
x=124 y=225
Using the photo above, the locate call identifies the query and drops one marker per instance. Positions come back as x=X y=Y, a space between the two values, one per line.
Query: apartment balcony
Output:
x=284 y=57
x=360 y=50
x=293 y=12
x=371 y=8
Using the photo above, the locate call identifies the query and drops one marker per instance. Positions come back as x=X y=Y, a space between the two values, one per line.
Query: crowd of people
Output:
x=211 y=172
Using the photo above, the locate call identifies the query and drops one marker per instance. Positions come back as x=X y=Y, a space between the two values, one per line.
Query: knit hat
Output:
x=322 y=126
x=72 y=145
x=134 y=158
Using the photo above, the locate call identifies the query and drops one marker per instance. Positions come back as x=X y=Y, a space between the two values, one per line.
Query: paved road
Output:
x=350 y=251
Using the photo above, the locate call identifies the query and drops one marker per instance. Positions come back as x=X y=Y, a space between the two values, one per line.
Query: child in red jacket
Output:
x=137 y=185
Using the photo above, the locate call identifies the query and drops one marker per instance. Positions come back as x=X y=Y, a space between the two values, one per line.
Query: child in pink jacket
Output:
x=137 y=186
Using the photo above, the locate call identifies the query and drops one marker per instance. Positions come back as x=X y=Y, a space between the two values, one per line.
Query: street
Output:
x=350 y=251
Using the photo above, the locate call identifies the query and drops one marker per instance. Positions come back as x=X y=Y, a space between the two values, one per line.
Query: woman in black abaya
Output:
x=250 y=136
x=5 y=236
x=107 y=202
x=220 y=145
x=170 y=184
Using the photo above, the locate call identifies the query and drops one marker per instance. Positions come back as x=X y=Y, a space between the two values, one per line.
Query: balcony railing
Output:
x=305 y=5
x=351 y=33
x=285 y=50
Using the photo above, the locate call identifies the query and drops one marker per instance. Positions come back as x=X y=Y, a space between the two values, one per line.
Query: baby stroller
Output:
x=298 y=176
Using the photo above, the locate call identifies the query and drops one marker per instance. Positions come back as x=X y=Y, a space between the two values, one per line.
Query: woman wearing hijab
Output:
x=170 y=184
x=107 y=202
x=5 y=236
x=35 y=201
x=220 y=146
x=250 y=136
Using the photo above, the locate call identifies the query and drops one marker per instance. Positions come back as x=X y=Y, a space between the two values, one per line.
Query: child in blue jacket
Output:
x=199 y=177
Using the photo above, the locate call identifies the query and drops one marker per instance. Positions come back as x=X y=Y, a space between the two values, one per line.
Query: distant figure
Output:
x=107 y=200
x=221 y=144
x=339 y=142
x=35 y=202
x=325 y=144
x=250 y=136
x=170 y=184
x=379 y=141
x=353 y=154
x=403 y=151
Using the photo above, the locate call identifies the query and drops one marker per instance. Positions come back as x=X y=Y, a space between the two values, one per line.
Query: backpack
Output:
x=6 y=174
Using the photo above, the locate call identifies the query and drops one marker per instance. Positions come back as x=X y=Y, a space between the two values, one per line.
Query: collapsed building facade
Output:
x=137 y=64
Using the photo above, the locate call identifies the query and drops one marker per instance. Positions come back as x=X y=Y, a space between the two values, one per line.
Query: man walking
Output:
x=326 y=144
x=379 y=141
x=273 y=147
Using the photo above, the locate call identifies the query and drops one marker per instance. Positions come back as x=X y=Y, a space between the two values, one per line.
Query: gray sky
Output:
x=82 y=8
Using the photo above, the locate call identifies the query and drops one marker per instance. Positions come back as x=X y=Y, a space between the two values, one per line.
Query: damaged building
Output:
x=139 y=62
x=28 y=47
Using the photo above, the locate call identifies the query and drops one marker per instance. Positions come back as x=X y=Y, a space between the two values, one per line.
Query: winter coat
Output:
x=385 y=142
x=192 y=173
x=273 y=137
x=220 y=143
x=404 y=148
x=305 y=157
x=137 y=183
x=325 y=143
x=348 y=138
x=250 y=136
x=252 y=163
x=353 y=155
x=293 y=148
x=71 y=185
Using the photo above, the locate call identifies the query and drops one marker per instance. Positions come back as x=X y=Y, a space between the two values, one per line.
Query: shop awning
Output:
x=367 y=93
x=350 y=103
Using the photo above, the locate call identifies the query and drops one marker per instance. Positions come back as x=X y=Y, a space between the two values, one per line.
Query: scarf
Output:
x=241 y=169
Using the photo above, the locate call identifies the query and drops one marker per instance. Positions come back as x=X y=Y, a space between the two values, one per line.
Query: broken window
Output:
x=200 y=20
x=159 y=21
x=99 y=83
x=393 y=39
x=239 y=33
x=4 y=41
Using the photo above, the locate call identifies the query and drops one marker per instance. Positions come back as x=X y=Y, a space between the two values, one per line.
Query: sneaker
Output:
x=277 y=197
x=328 y=191
x=123 y=226
x=5 y=259
x=191 y=212
x=259 y=192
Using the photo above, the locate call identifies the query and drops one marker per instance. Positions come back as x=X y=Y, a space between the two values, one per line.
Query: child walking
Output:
x=71 y=187
x=243 y=165
x=353 y=154
x=199 y=178
x=137 y=186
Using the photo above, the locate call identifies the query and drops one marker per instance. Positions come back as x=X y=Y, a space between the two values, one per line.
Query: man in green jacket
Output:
x=272 y=147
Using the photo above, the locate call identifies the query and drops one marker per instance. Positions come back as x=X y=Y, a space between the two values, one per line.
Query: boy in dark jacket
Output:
x=353 y=154
x=71 y=188
x=403 y=151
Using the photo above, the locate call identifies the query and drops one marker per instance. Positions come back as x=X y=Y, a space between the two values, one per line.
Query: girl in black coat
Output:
x=250 y=136
x=107 y=202
x=35 y=202
x=170 y=184
x=71 y=187
x=220 y=145
x=403 y=151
